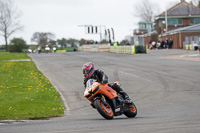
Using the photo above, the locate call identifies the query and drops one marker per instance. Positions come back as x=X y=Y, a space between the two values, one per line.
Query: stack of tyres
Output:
x=140 y=49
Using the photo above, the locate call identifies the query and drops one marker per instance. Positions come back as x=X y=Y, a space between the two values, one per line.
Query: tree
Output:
x=9 y=20
x=72 y=41
x=82 y=41
x=17 y=44
x=62 y=42
x=196 y=2
x=42 y=38
x=146 y=10
x=199 y=4
x=123 y=42
x=52 y=42
x=104 y=41
x=172 y=3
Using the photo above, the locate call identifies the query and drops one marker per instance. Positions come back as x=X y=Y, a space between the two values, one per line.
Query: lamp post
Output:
x=166 y=21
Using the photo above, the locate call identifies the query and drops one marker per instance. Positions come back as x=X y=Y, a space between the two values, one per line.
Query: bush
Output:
x=17 y=44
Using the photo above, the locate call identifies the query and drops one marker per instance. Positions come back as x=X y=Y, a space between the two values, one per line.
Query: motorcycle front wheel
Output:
x=106 y=112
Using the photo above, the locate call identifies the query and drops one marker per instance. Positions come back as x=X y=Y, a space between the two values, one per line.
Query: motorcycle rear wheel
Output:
x=131 y=112
x=106 y=112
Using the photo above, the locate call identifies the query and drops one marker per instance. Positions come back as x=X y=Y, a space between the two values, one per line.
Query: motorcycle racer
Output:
x=90 y=73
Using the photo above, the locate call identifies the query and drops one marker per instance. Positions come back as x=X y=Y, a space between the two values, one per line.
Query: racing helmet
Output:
x=88 y=69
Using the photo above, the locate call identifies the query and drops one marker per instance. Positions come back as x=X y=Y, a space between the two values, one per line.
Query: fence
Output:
x=114 y=49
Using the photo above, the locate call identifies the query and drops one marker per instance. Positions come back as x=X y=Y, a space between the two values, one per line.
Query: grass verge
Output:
x=24 y=92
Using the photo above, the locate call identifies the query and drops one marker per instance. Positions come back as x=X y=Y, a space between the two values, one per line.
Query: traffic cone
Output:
x=186 y=51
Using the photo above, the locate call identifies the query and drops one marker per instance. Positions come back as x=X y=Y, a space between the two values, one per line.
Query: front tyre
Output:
x=106 y=112
x=131 y=112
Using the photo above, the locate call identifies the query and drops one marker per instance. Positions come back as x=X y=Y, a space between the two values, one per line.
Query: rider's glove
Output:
x=85 y=81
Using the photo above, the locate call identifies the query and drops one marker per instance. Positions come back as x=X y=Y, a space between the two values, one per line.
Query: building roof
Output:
x=182 y=9
x=146 y=22
x=148 y=34
x=194 y=28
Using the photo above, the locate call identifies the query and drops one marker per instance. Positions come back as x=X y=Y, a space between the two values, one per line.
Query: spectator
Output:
x=170 y=43
x=153 y=44
x=150 y=43
x=166 y=43
x=86 y=42
x=158 y=45
x=127 y=43
x=115 y=44
x=162 y=44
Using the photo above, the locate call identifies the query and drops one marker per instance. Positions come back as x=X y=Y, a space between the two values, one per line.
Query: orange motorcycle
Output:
x=107 y=101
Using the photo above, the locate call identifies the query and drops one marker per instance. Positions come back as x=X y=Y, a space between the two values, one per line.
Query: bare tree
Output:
x=146 y=10
x=172 y=3
x=42 y=38
x=9 y=20
x=196 y=2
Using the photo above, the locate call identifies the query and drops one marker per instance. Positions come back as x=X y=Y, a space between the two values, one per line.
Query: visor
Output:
x=86 y=71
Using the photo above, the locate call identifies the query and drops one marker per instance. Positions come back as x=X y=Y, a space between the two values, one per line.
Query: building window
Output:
x=197 y=20
x=143 y=26
x=180 y=21
x=174 y=21
x=194 y=21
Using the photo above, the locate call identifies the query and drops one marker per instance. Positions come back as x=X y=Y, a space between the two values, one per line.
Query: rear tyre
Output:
x=131 y=112
x=106 y=112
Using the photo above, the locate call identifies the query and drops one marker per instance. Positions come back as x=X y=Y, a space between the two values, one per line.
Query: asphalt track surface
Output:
x=164 y=85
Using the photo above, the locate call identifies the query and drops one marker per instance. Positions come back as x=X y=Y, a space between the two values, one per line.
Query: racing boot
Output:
x=126 y=97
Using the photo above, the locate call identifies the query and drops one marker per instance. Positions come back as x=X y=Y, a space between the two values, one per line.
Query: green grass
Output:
x=2 y=50
x=24 y=92
x=12 y=56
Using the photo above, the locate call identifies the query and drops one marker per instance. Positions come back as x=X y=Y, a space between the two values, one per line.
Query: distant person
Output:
x=170 y=43
x=39 y=49
x=162 y=44
x=127 y=43
x=153 y=44
x=29 y=50
x=86 y=42
x=158 y=44
x=47 y=49
x=54 y=49
x=166 y=43
x=110 y=42
x=115 y=44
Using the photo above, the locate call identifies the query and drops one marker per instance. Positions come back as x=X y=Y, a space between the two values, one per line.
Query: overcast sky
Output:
x=62 y=17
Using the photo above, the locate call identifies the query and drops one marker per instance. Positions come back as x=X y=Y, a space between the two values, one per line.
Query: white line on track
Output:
x=135 y=76
x=111 y=58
